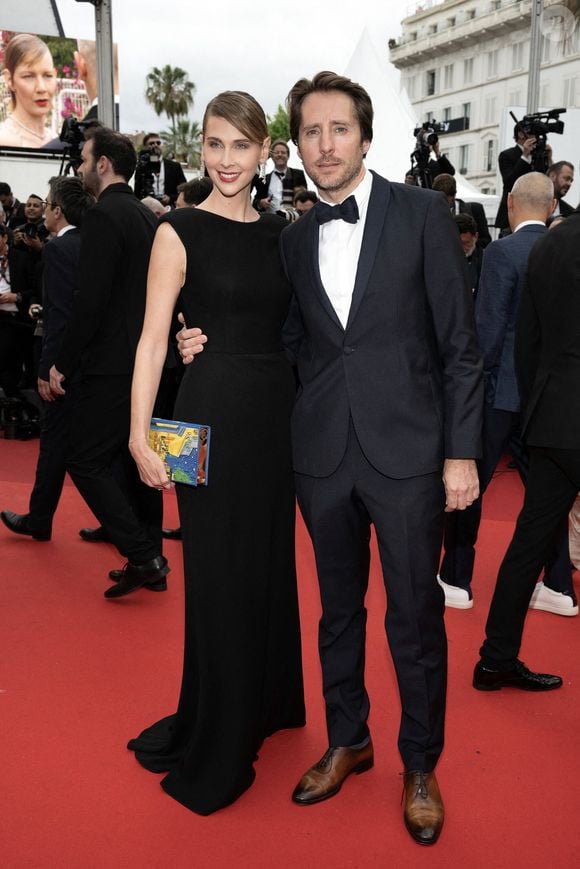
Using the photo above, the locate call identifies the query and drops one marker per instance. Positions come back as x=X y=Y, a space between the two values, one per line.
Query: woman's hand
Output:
x=151 y=468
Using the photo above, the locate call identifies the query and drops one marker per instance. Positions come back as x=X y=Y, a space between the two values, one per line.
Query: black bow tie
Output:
x=347 y=210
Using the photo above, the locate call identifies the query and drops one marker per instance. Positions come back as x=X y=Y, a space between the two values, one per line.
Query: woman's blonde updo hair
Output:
x=23 y=48
x=242 y=111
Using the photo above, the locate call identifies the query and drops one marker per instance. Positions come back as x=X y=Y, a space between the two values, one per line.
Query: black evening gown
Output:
x=242 y=672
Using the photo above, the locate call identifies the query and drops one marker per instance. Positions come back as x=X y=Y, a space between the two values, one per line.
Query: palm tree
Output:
x=184 y=142
x=169 y=91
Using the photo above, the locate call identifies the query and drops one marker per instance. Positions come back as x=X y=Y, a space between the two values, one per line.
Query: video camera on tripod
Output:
x=425 y=137
x=73 y=135
x=540 y=124
x=148 y=166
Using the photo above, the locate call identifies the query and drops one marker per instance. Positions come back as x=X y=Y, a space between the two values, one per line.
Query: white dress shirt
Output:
x=276 y=190
x=339 y=251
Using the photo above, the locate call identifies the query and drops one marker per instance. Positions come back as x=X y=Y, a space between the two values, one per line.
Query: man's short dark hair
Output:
x=196 y=191
x=149 y=136
x=325 y=82
x=117 y=148
x=465 y=223
x=446 y=184
x=556 y=168
x=305 y=196
x=71 y=197
x=519 y=127
x=5 y=189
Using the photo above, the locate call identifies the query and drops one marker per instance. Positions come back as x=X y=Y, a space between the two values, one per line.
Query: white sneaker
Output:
x=550 y=601
x=455 y=597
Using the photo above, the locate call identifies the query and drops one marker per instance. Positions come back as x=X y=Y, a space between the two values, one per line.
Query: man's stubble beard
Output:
x=339 y=183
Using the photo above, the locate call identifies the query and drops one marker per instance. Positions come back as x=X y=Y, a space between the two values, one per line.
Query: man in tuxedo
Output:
x=66 y=204
x=389 y=402
x=447 y=184
x=513 y=163
x=13 y=209
x=101 y=340
x=548 y=365
x=277 y=190
x=561 y=175
x=170 y=175
x=505 y=264
x=468 y=236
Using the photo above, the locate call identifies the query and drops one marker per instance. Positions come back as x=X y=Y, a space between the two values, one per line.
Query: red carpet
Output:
x=79 y=675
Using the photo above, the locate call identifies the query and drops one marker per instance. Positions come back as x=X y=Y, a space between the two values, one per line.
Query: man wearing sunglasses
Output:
x=169 y=174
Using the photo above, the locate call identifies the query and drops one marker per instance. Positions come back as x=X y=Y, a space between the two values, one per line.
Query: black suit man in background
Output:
x=66 y=204
x=170 y=175
x=277 y=189
x=513 y=163
x=389 y=402
x=505 y=264
x=439 y=163
x=468 y=236
x=13 y=209
x=101 y=340
x=562 y=176
x=447 y=184
x=548 y=367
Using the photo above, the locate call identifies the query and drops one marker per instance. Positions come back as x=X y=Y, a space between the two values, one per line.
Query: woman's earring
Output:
x=262 y=171
x=201 y=166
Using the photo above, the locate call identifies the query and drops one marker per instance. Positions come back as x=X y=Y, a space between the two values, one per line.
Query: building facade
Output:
x=470 y=58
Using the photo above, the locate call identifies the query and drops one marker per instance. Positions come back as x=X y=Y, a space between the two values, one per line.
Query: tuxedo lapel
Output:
x=375 y=219
x=313 y=243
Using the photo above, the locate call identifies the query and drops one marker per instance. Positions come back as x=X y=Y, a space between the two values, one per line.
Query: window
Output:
x=466 y=113
x=413 y=36
x=489 y=160
x=546 y=49
x=517 y=55
x=430 y=82
x=514 y=98
x=490 y=110
x=448 y=76
x=410 y=86
x=447 y=113
x=451 y=22
x=545 y=92
x=470 y=14
x=463 y=159
x=468 y=70
x=496 y=4
x=569 y=98
x=432 y=29
x=428 y=117
x=492 y=63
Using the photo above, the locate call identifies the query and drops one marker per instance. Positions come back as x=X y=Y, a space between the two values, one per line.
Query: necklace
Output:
x=27 y=129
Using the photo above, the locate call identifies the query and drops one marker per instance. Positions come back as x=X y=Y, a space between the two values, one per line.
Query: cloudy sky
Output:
x=259 y=47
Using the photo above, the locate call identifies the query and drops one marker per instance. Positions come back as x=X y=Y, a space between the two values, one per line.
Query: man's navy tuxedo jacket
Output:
x=407 y=368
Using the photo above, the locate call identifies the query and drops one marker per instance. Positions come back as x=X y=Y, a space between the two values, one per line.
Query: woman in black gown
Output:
x=242 y=676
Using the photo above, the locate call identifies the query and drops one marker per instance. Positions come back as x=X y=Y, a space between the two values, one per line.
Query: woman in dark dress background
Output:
x=242 y=676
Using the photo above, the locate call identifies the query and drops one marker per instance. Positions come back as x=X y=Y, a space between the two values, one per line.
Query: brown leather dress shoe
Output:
x=325 y=778
x=424 y=811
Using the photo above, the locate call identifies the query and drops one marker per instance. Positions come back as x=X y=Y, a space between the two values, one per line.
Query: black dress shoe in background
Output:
x=95 y=535
x=19 y=523
x=118 y=575
x=138 y=575
x=486 y=679
x=171 y=533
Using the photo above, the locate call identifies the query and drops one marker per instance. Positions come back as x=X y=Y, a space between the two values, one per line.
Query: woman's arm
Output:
x=164 y=281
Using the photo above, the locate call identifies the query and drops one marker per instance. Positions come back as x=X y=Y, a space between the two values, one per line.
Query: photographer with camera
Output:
x=439 y=163
x=66 y=204
x=156 y=176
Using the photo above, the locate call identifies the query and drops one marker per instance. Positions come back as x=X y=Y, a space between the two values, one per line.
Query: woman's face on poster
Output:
x=33 y=85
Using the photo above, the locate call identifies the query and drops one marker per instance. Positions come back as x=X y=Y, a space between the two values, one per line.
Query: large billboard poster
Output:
x=45 y=80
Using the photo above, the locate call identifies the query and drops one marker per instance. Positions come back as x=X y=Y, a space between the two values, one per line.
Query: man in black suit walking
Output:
x=277 y=189
x=66 y=204
x=548 y=366
x=447 y=184
x=389 y=402
x=101 y=340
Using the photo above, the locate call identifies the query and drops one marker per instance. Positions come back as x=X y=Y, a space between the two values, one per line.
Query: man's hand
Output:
x=56 y=379
x=436 y=148
x=44 y=390
x=461 y=483
x=528 y=145
x=7 y=298
x=264 y=204
x=189 y=342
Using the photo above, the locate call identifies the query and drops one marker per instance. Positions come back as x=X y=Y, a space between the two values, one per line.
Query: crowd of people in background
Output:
x=65 y=332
